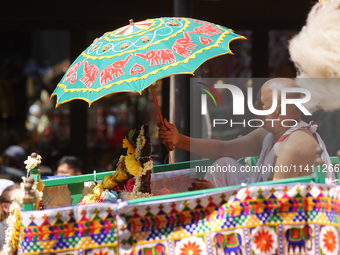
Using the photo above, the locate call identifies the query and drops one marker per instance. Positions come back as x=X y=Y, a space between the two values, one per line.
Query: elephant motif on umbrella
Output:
x=131 y=58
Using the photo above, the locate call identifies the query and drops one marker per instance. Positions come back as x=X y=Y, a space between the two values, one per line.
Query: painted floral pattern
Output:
x=264 y=240
x=191 y=246
x=329 y=240
x=191 y=249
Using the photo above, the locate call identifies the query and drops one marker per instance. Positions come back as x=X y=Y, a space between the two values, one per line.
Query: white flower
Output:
x=32 y=163
x=16 y=206
x=140 y=143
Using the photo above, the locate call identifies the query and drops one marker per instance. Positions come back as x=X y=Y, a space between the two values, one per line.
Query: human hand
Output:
x=168 y=133
x=201 y=184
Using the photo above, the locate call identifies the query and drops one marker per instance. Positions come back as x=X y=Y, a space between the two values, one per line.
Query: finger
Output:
x=165 y=136
x=161 y=126
x=164 y=132
x=190 y=188
x=165 y=140
x=167 y=124
x=202 y=180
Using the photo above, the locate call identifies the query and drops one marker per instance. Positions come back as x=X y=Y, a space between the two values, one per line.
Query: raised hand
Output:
x=168 y=134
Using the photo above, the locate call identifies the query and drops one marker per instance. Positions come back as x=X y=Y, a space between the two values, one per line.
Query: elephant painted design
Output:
x=228 y=243
x=184 y=46
x=115 y=69
x=71 y=75
x=298 y=237
x=162 y=55
x=90 y=73
x=158 y=249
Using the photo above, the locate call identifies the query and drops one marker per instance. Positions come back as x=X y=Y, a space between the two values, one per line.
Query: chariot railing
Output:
x=75 y=184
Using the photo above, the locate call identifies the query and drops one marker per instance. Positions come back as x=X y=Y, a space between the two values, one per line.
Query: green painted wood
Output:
x=76 y=192
x=157 y=169
x=100 y=176
x=319 y=175
x=34 y=173
x=76 y=183
x=75 y=179
x=27 y=207
x=336 y=160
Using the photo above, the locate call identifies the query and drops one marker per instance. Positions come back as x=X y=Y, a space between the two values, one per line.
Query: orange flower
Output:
x=128 y=145
x=100 y=252
x=330 y=241
x=264 y=241
x=132 y=165
x=191 y=249
x=15 y=240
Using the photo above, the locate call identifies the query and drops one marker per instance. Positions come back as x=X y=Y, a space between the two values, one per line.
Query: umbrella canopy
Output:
x=131 y=58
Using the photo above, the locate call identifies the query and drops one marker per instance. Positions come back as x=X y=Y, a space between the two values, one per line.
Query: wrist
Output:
x=180 y=141
x=177 y=140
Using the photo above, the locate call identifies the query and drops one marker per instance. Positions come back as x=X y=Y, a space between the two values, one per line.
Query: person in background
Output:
x=70 y=165
x=4 y=183
x=12 y=165
x=6 y=201
x=45 y=170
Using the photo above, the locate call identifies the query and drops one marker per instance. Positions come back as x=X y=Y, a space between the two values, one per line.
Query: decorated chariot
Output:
x=293 y=216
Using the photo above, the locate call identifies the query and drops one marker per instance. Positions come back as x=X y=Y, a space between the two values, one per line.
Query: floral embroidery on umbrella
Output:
x=329 y=240
x=191 y=249
x=190 y=246
x=264 y=240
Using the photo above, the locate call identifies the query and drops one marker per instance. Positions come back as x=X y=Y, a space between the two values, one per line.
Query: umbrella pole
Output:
x=168 y=145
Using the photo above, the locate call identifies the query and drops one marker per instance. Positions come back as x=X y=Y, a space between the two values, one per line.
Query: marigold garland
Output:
x=128 y=145
x=127 y=167
x=15 y=241
x=132 y=165
x=136 y=169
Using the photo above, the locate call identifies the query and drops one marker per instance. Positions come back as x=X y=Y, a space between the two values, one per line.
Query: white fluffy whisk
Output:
x=315 y=51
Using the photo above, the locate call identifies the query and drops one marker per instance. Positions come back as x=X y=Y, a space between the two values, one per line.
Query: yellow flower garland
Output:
x=15 y=240
x=128 y=145
x=132 y=165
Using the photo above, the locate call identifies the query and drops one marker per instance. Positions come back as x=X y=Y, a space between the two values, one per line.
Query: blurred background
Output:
x=39 y=41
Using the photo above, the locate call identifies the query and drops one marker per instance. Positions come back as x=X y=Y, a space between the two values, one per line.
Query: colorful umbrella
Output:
x=131 y=58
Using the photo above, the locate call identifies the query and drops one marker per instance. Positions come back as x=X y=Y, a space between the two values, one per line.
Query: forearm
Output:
x=206 y=148
x=247 y=146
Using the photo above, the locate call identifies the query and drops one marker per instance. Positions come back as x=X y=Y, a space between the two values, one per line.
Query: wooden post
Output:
x=145 y=154
x=180 y=90
x=76 y=192
x=35 y=173
x=169 y=146
x=28 y=198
